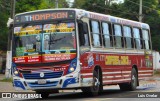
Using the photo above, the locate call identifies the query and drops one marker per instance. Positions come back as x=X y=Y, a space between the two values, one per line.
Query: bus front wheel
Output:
x=96 y=85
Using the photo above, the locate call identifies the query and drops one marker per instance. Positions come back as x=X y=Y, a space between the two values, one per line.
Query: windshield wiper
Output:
x=25 y=25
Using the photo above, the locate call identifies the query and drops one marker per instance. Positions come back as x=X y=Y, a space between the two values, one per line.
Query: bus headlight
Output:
x=15 y=71
x=71 y=69
x=72 y=66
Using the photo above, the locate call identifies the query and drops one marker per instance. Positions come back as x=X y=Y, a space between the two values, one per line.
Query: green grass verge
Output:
x=157 y=72
x=6 y=80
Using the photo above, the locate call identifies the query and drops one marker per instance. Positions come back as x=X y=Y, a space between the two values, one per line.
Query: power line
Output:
x=95 y=5
x=114 y=10
x=142 y=5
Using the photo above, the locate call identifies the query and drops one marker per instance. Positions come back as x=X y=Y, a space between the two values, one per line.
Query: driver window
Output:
x=83 y=36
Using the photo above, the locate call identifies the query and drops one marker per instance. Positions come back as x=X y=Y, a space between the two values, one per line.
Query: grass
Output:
x=157 y=72
x=6 y=80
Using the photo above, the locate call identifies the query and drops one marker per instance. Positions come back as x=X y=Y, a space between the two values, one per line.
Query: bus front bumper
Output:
x=69 y=81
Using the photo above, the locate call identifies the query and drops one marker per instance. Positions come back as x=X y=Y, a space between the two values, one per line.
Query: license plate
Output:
x=42 y=81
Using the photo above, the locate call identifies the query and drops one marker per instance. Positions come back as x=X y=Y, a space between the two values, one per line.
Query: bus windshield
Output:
x=60 y=36
x=27 y=39
x=42 y=42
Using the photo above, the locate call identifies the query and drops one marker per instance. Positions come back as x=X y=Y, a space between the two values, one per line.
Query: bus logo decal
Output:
x=41 y=74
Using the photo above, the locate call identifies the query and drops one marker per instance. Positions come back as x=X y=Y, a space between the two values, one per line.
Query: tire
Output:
x=132 y=85
x=134 y=80
x=124 y=86
x=96 y=87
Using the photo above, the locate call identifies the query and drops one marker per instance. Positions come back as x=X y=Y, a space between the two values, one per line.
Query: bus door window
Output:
x=83 y=36
x=128 y=37
x=145 y=35
x=136 y=34
x=118 y=36
x=95 y=31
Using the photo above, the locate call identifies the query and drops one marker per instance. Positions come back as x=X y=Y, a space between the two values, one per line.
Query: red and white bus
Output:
x=76 y=49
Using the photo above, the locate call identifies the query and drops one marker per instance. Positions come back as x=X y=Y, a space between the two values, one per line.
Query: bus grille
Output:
x=46 y=75
x=48 y=84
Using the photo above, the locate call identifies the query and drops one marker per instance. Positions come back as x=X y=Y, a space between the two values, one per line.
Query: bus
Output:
x=59 y=49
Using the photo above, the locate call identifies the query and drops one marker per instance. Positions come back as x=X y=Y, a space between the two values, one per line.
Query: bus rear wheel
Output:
x=133 y=84
x=134 y=80
x=96 y=85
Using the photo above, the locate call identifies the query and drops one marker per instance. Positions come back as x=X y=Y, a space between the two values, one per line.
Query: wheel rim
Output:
x=134 y=80
x=96 y=83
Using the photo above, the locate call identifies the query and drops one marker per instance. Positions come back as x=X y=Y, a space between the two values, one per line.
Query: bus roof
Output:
x=97 y=16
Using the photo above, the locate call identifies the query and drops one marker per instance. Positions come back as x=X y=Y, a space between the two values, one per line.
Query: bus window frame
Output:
x=132 y=38
x=91 y=33
x=140 y=38
x=122 y=36
x=149 y=39
x=110 y=34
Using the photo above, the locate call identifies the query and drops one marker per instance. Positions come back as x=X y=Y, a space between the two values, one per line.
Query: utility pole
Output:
x=9 y=47
x=56 y=3
x=140 y=11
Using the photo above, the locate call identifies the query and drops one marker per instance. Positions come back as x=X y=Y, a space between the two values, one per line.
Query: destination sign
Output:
x=44 y=16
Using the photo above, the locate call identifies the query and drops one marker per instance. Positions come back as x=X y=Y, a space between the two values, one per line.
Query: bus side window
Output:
x=83 y=34
x=118 y=35
x=128 y=37
x=95 y=33
x=136 y=34
x=146 y=40
x=106 y=35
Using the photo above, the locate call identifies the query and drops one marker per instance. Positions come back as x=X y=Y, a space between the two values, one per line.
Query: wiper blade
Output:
x=25 y=25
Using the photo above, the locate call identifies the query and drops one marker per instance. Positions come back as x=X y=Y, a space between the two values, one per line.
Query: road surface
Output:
x=148 y=90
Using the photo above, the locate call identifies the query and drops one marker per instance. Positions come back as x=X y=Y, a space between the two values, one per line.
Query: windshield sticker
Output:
x=30 y=48
x=61 y=27
x=27 y=30
x=58 y=57
x=20 y=51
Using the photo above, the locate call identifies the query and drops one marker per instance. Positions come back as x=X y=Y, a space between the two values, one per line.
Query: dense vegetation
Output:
x=129 y=10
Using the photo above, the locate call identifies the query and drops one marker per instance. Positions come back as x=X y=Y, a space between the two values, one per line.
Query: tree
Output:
x=4 y=14
x=30 y=5
x=130 y=10
x=78 y=3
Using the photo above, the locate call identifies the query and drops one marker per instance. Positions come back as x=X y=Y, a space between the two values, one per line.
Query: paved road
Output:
x=111 y=93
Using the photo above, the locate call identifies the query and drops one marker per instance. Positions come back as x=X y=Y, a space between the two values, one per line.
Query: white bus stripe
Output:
x=141 y=71
x=111 y=72
x=144 y=74
x=86 y=74
x=115 y=80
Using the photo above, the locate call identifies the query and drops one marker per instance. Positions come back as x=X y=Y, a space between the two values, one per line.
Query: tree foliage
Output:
x=129 y=10
x=4 y=14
